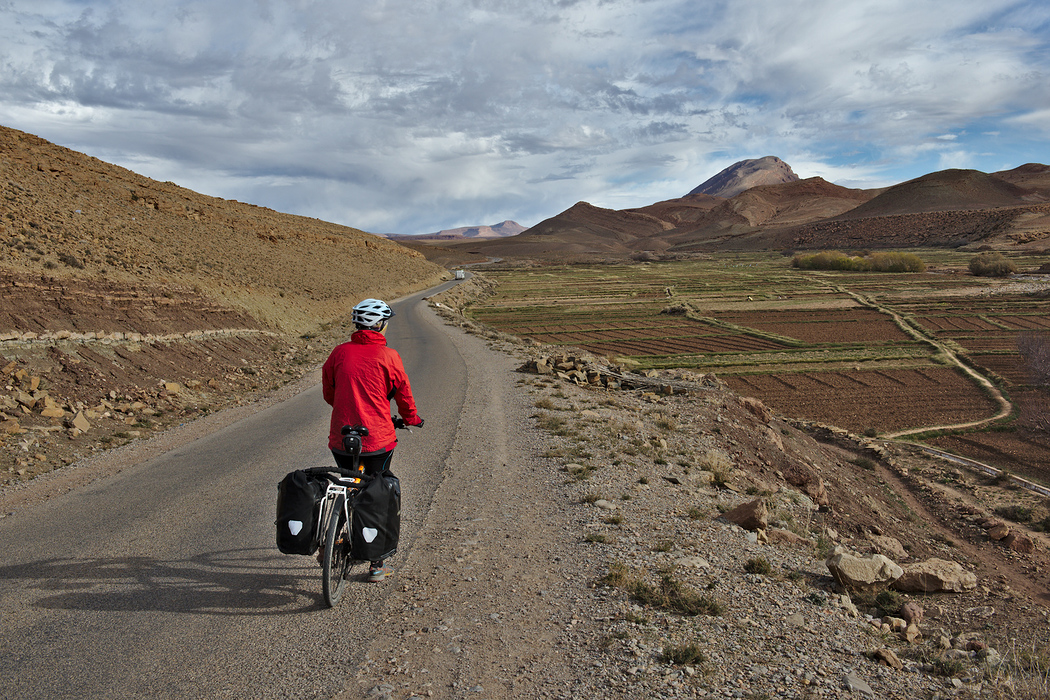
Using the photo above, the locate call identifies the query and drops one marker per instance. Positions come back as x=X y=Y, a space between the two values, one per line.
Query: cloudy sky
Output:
x=410 y=116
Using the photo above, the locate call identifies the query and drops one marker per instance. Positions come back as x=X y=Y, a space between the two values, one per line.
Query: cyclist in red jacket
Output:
x=359 y=379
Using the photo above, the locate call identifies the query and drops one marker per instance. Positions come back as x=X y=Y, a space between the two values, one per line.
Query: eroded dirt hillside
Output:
x=64 y=214
x=129 y=304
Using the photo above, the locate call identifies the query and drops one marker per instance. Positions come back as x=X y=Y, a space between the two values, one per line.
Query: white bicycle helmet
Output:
x=371 y=313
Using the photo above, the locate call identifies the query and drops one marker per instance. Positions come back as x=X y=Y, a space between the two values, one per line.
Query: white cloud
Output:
x=404 y=116
x=1038 y=120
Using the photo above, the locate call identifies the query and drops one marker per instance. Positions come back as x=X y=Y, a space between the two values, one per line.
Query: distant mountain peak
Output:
x=746 y=174
x=504 y=229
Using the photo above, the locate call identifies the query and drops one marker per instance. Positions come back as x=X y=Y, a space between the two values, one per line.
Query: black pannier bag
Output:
x=376 y=523
x=297 y=497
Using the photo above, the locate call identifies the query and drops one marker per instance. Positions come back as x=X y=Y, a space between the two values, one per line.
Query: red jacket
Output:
x=358 y=379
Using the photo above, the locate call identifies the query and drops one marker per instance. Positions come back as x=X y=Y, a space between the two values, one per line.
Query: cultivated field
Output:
x=870 y=352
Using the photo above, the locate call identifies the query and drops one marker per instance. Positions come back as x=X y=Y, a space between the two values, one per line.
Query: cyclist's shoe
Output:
x=377 y=574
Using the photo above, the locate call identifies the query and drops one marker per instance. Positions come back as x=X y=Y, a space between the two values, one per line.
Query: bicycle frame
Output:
x=327 y=506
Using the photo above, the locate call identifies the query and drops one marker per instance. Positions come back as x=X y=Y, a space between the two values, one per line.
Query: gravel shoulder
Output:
x=486 y=602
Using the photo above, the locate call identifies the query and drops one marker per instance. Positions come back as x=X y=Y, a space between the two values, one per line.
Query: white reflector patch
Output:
x=295 y=526
x=370 y=533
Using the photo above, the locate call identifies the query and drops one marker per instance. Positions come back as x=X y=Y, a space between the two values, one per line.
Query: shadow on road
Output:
x=232 y=582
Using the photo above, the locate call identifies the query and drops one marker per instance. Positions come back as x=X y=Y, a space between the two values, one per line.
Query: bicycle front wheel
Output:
x=336 y=547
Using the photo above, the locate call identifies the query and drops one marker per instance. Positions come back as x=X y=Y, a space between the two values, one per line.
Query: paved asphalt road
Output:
x=164 y=580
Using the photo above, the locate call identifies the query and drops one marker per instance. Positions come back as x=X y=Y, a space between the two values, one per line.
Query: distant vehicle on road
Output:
x=460 y=274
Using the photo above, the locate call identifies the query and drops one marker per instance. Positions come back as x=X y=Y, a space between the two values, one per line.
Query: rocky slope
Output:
x=67 y=215
x=129 y=304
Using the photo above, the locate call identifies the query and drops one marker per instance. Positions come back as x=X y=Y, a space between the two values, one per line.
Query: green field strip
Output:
x=742 y=370
x=636 y=339
x=683 y=278
x=1010 y=335
x=745 y=330
x=637 y=331
x=859 y=354
x=990 y=351
x=545 y=325
x=623 y=348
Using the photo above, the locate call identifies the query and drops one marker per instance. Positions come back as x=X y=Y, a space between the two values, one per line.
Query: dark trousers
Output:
x=373 y=462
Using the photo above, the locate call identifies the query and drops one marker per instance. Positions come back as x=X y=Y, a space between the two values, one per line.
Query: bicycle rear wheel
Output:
x=336 y=548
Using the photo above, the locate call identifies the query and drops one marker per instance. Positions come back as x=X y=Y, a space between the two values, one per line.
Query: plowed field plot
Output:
x=636 y=322
x=1023 y=452
x=829 y=327
x=968 y=323
x=812 y=344
x=1009 y=367
x=1026 y=322
x=648 y=346
x=991 y=343
x=633 y=331
x=981 y=314
x=881 y=400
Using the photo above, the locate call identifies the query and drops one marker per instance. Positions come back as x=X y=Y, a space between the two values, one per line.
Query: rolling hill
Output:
x=67 y=215
x=130 y=305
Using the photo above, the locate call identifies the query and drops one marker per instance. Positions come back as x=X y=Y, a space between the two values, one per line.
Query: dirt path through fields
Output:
x=1005 y=407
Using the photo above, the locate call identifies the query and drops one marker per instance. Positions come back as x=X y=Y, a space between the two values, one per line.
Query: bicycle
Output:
x=335 y=510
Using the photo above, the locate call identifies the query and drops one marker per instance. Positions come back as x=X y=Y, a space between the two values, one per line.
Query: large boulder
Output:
x=912 y=612
x=890 y=546
x=806 y=479
x=1019 y=543
x=887 y=657
x=750 y=516
x=855 y=572
x=998 y=531
x=935 y=575
x=756 y=408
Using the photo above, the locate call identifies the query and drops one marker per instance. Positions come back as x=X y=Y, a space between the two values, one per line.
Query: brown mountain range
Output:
x=956 y=208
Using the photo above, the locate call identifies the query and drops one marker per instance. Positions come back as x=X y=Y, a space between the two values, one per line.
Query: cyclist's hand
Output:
x=420 y=423
x=399 y=422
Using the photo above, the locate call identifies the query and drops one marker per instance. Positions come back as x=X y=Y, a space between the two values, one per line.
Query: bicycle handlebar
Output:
x=352 y=445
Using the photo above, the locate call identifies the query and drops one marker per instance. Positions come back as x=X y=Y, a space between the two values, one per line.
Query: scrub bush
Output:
x=991 y=265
